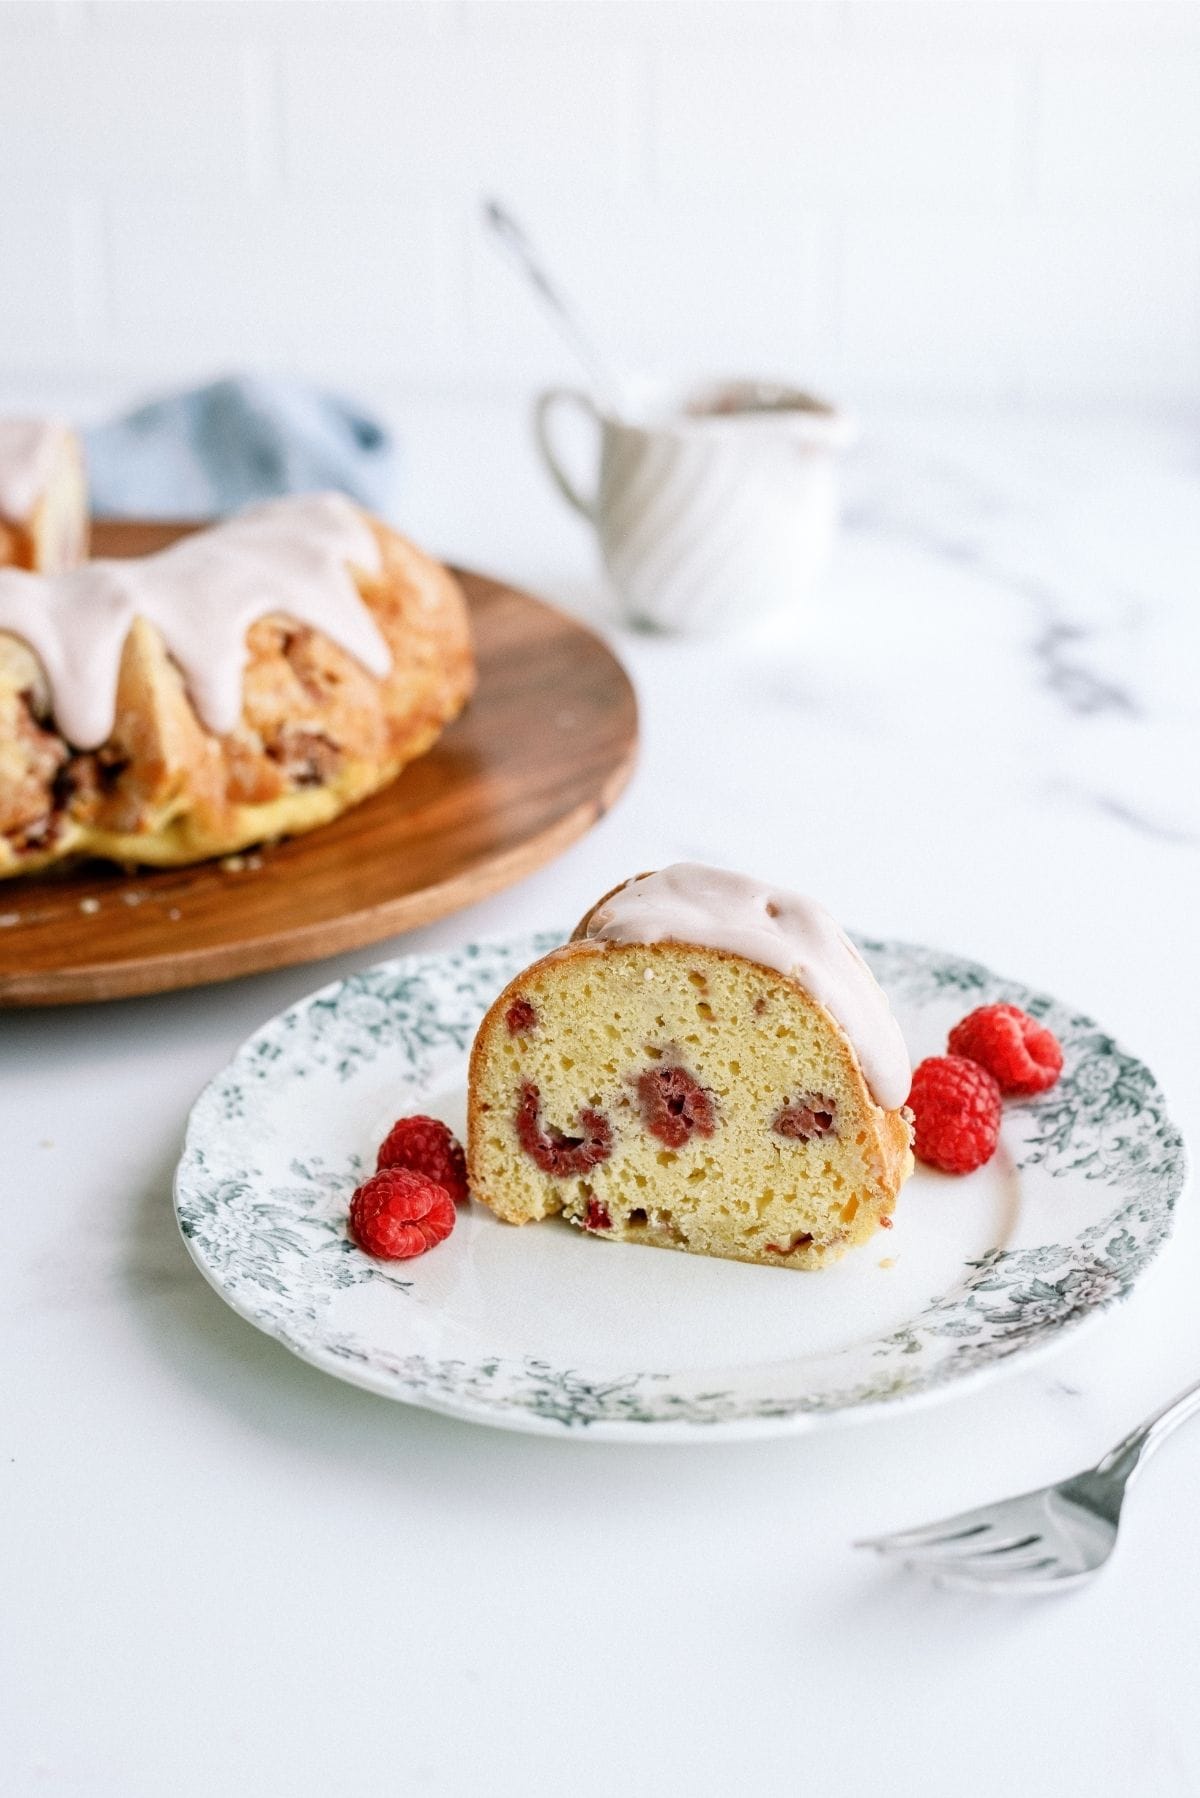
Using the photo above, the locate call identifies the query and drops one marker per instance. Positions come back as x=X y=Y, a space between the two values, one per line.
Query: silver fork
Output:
x=1044 y=1541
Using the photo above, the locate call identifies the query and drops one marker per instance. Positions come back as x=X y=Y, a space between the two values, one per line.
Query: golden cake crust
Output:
x=318 y=732
x=755 y=1042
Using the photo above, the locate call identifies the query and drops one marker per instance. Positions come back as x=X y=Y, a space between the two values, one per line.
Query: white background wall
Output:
x=946 y=199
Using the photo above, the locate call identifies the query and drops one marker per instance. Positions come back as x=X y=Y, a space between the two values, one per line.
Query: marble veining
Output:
x=1090 y=580
x=1067 y=675
x=1141 y=822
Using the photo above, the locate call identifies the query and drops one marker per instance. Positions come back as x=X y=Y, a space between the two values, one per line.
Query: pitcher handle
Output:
x=547 y=403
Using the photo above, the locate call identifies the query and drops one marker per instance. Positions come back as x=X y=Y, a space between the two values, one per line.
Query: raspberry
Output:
x=427 y=1147
x=807 y=1116
x=398 y=1213
x=1020 y=1054
x=596 y=1216
x=674 y=1105
x=956 y=1104
x=520 y=1016
x=786 y=1248
x=556 y=1153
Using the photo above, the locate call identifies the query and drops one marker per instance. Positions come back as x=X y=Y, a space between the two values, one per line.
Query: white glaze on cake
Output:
x=291 y=556
x=29 y=448
x=717 y=909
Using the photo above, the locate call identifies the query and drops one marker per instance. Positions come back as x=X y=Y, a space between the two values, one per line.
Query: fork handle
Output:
x=1123 y=1461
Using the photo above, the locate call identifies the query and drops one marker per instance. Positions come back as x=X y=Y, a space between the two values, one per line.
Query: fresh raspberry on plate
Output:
x=956 y=1107
x=1020 y=1054
x=428 y=1147
x=398 y=1213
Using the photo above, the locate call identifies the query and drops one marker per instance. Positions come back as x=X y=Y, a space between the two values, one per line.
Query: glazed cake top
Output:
x=293 y=556
x=717 y=909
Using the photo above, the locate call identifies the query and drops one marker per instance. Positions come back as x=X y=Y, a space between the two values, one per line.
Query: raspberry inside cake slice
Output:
x=688 y=1095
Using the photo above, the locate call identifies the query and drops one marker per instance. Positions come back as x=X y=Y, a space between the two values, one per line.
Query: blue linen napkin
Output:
x=208 y=451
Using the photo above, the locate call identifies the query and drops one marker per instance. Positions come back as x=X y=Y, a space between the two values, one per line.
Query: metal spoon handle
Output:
x=516 y=242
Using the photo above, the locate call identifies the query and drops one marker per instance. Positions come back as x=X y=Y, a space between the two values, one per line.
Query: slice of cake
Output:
x=43 y=496
x=708 y=1065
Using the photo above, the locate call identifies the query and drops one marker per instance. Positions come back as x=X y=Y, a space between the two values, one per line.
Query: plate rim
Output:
x=796 y=1421
x=519 y=1421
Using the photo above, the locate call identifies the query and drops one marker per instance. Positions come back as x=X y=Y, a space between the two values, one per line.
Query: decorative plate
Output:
x=547 y=1330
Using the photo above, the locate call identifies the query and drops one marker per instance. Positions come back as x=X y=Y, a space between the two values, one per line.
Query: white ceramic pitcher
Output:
x=713 y=506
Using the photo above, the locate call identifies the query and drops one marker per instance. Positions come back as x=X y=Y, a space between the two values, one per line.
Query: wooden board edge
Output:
x=205 y=967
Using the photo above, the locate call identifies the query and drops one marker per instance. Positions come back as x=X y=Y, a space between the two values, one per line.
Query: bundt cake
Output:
x=251 y=681
x=708 y=1065
x=43 y=496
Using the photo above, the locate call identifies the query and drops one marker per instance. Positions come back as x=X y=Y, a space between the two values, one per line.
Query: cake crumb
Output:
x=888 y=1261
x=90 y=906
x=233 y=864
x=254 y=861
x=8 y=919
x=174 y=913
x=132 y=898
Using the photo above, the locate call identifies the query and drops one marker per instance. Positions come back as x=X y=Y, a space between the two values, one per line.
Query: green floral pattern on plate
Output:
x=268 y=1227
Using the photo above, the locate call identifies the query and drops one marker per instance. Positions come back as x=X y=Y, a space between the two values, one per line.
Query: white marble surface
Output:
x=224 y=1572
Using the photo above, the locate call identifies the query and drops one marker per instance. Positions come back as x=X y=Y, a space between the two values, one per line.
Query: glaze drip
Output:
x=717 y=909
x=292 y=556
x=29 y=448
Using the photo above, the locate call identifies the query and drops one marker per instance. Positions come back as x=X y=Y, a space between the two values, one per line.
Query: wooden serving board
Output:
x=542 y=751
